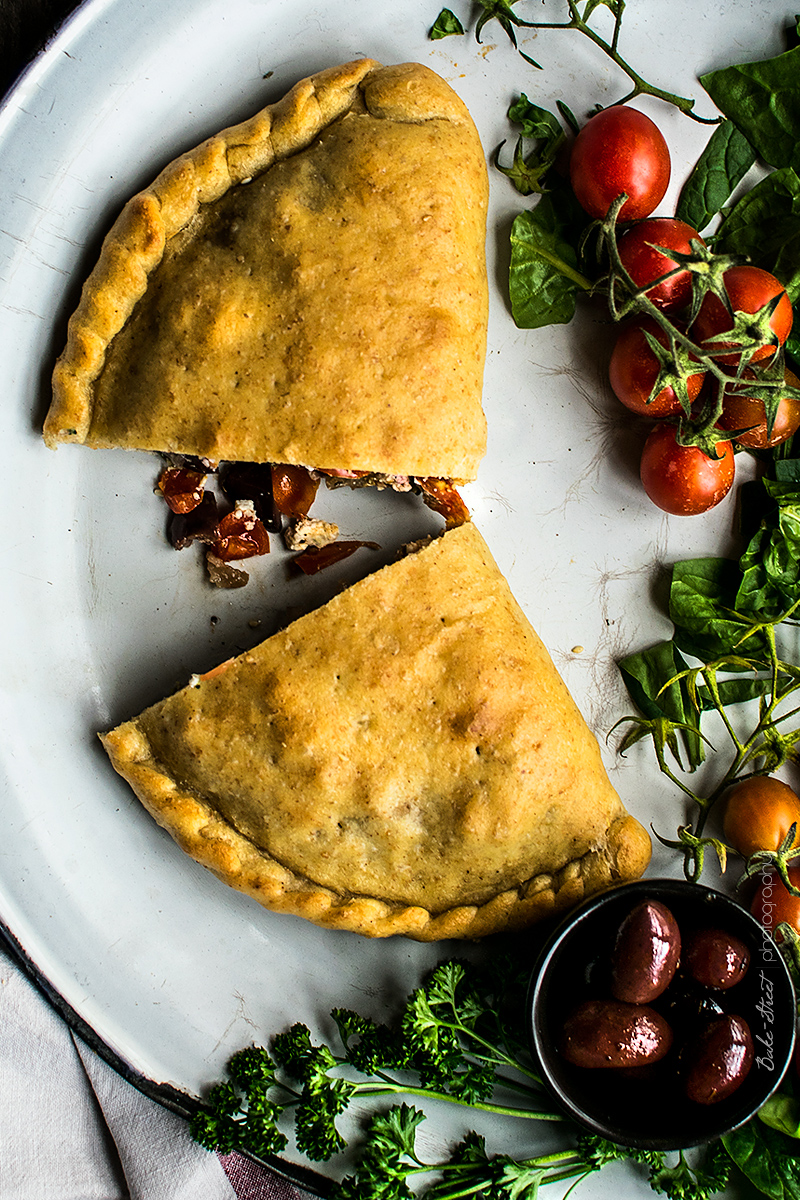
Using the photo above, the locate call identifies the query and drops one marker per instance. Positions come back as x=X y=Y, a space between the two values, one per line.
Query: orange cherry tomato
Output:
x=759 y=812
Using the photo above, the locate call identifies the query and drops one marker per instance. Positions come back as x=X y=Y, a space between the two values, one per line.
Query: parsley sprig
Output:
x=578 y=17
x=459 y=1038
x=450 y=1044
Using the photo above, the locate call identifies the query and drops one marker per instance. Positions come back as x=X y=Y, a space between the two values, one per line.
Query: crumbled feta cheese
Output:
x=308 y=531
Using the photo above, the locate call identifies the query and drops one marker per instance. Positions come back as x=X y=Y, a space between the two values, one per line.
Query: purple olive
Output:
x=719 y=1060
x=716 y=959
x=645 y=954
x=609 y=1033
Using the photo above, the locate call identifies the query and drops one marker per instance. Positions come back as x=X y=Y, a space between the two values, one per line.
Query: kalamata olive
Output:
x=609 y=1033
x=716 y=958
x=688 y=1006
x=719 y=1060
x=645 y=954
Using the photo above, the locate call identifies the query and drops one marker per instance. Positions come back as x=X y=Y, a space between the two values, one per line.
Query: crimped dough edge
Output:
x=212 y=842
x=135 y=244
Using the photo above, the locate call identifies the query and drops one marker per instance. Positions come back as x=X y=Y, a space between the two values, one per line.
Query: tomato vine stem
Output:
x=502 y=11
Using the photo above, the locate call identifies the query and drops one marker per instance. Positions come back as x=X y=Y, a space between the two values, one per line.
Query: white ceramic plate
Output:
x=171 y=970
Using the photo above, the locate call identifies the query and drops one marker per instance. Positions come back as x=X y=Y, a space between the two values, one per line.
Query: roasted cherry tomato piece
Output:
x=316 y=558
x=619 y=150
x=240 y=534
x=748 y=413
x=773 y=904
x=682 y=479
x=749 y=290
x=443 y=498
x=759 y=812
x=198 y=525
x=644 y=263
x=294 y=489
x=182 y=488
x=253 y=481
x=634 y=369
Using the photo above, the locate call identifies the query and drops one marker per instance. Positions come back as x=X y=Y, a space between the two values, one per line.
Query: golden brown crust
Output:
x=415 y=375
x=386 y=767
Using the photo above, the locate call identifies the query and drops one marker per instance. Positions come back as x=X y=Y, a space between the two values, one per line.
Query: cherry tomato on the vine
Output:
x=633 y=370
x=644 y=263
x=619 y=150
x=749 y=290
x=759 y=812
x=682 y=479
x=773 y=903
x=748 y=412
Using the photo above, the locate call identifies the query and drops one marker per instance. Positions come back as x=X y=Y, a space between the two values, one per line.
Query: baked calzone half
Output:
x=405 y=760
x=307 y=287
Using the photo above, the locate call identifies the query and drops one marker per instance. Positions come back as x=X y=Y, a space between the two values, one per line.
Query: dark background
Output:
x=25 y=28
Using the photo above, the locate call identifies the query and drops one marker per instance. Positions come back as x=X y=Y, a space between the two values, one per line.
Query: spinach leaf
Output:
x=771 y=563
x=793 y=344
x=536 y=122
x=529 y=172
x=544 y=276
x=782 y=1112
x=645 y=674
x=764 y=226
x=445 y=24
x=702 y=599
x=763 y=100
x=726 y=159
x=765 y=1157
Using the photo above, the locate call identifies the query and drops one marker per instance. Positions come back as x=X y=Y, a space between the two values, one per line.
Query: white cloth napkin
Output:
x=72 y=1129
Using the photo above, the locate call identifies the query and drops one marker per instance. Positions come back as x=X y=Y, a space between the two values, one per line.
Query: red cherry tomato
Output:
x=619 y=150
x=682 y=479
x=634 y=368
x=749 y=289
x=759 y=812
x=644 y=263
x=747 y=412
x=773 y=903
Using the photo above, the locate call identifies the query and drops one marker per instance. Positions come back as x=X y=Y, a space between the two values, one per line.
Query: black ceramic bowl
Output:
x=648 y=1108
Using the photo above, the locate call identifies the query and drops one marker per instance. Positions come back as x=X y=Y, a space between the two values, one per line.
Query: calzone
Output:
x=404 y=760
x=307 y=287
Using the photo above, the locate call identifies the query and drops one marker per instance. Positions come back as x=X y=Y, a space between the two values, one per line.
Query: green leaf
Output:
x=699 y=1181
x=765 y=227
x=396 y=1130
x=646 y=675
x=763 y=100
x=782 y=1112
x=702 y=601
x=529 y=172
x=544 y=276
x=771 y=563
x=724 y=162
x=445 y=25
x=537 y=123
x=766 y=1158
x=792 y=346
x=368 y=1046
